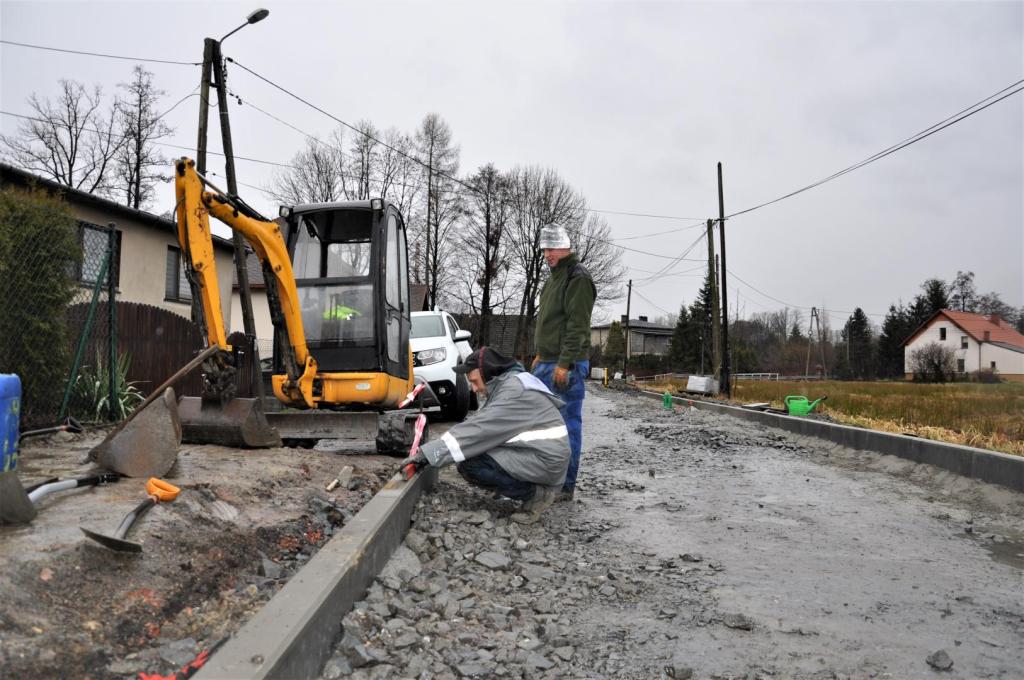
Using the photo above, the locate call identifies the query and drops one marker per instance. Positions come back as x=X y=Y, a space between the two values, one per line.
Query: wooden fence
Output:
x=160 y=342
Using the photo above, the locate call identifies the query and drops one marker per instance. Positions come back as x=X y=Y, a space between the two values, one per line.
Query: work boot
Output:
x=566 y=495
x=543 y=498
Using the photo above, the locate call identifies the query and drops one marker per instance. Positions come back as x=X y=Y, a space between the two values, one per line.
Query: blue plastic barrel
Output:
x=10 y=412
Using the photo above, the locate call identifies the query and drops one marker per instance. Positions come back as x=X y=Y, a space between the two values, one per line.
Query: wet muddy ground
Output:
x=707 y=547
x=243 y=523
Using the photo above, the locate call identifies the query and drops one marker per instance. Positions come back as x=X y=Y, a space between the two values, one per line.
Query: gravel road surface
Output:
x=707 y=547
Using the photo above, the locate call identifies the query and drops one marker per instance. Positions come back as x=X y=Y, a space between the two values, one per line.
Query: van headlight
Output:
x=429 y=356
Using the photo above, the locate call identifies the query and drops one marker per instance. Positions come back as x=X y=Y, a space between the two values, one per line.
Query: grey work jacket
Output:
x=518 y=425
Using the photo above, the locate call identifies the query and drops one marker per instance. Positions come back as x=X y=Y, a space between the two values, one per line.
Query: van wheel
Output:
x=456 y=406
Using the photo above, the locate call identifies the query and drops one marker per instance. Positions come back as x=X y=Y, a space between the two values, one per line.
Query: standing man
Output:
x=562 y=338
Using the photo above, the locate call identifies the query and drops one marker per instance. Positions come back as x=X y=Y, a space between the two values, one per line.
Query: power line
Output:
x=790 y=304
x=700 y=223
x=641 y=296
x=913 y=139
x=99 y=54
x=414 y=159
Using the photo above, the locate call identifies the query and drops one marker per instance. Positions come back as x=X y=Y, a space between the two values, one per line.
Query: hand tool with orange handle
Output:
x=409 y=466
x=158 y=491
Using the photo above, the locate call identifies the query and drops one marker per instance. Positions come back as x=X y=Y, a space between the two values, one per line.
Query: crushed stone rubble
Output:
x=471 y=594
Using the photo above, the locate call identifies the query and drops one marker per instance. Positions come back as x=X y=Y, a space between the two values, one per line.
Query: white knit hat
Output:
x=554 y=236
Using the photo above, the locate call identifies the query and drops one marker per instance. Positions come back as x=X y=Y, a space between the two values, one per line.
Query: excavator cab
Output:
x=352 y=275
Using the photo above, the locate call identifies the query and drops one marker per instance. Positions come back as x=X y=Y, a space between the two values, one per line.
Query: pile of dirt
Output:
x=70 y=608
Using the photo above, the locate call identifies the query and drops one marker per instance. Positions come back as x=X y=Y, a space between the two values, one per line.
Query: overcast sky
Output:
x=634 y=103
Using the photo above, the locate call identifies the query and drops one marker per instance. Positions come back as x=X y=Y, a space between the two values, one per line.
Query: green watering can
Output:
x=799 y=406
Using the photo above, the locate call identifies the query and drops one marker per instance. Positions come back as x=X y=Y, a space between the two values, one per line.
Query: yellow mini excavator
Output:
x=337 y=282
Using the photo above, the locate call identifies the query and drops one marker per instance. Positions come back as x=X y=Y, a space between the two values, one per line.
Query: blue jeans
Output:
x=572 y=412
x=484 y=471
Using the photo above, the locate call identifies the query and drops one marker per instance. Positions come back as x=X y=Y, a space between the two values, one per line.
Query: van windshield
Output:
x=427 y=327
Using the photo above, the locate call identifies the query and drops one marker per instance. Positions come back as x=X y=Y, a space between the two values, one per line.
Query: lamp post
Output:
x=213 y=64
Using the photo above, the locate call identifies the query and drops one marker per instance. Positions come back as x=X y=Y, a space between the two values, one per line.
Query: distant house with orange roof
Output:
x=979 y=341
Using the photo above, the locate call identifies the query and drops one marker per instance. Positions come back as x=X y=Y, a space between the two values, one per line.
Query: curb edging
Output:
x=986 y=466
x=293 y=634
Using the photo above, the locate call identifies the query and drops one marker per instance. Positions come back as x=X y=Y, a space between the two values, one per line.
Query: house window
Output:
x=963 y=342
x=94 y=241
x=960 y=366
x=942 y=334
x=992 y=365
x=176 y=288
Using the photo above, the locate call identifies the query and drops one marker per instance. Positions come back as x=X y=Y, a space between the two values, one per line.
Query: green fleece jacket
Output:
x=563 y=319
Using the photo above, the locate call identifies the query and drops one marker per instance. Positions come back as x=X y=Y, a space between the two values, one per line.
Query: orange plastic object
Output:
x=161 y=490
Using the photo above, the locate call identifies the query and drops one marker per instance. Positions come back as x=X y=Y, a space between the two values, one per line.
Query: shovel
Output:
x=159 y=491
x=20 y=505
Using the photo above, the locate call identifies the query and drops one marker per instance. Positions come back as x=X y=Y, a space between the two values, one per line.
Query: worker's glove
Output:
x=561 y=377
x=533 y=365
x=413 y=464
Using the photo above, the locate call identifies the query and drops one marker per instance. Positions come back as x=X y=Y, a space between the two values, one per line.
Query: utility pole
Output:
x=629 y=298
x=810 y=341
x=241 y=270
x=204 y=105
x=716 y=328
x=725 y=295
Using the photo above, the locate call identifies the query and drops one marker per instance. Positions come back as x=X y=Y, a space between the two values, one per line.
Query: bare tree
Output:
x=317 y=174
x=440 y=157
x=399 y=173
x=69 y=140
x=363 y=166
x=593 y=246
x=140 y=126
x=485 y=269
x=538 y=197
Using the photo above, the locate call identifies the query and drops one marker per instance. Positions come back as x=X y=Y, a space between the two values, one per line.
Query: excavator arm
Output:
x=195 y=203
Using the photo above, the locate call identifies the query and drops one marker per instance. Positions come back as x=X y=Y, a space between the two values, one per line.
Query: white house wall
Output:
x=144 y=260
x=1008 y=362
x=260 y=317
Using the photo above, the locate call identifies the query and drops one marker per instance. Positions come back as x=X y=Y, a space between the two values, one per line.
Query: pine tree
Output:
x=615 y=347
x=700 y=330
x=895 y=329
x=933 y=297
x=857 y=335
x=680 y=347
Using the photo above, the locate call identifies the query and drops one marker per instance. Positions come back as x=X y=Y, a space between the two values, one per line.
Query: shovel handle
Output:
x=129 y=519
x=161 y=491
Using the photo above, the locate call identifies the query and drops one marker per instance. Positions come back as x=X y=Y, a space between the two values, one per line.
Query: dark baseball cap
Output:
x=490 y=362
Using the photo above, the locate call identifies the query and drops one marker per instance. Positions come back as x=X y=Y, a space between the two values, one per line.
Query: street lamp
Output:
x=258 y=15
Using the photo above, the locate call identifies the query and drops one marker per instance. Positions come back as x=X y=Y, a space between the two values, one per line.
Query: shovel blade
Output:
x=240 y=423
x=15 y=507
x=118 y=544
x=147 y=445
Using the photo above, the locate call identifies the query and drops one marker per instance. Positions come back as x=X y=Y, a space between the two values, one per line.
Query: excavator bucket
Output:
x=145 y=445
x=240 y=423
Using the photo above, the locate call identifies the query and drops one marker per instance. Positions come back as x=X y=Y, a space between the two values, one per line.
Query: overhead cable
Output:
x=913 y=139
x=100 y=54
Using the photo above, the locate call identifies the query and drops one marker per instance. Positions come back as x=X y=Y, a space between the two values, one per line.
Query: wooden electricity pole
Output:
x=725 y=296
x=629 y=298
x=715 y=311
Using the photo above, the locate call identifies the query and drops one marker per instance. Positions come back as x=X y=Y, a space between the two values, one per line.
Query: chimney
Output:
x=988 y=336
x=625 y=319
x=994 y=319
x=643 y=318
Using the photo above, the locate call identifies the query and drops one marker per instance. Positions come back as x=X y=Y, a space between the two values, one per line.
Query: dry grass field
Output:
x=986 y=416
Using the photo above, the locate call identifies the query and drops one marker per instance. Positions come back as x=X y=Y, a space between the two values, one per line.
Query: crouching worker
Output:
x=516 y=444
